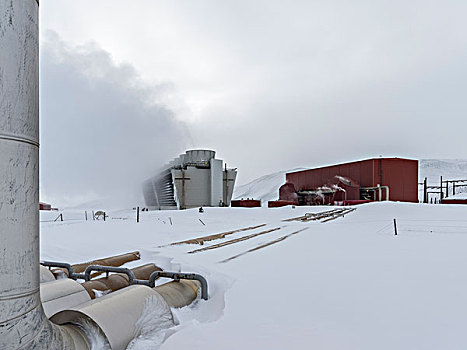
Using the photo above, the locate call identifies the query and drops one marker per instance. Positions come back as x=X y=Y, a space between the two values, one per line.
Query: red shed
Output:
x=396 y=176
x=245 y=203
x=44 y=206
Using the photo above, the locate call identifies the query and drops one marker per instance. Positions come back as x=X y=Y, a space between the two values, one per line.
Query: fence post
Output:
x=86 y=215
x=454 y=188
x=441 y=189
x=395 y=227
x=425 y=194
x=105 y=214
x=137 y=214
x=93 y=215
x=61 y=217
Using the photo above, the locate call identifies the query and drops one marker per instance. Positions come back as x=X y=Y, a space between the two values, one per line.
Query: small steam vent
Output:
x=194 y=179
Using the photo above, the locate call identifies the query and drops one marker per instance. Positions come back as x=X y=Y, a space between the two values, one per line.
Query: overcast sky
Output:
x=270 y=85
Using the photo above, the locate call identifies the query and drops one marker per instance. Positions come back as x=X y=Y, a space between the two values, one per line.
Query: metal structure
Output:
x=195 y=179
x=366 y=180
x=441 y=192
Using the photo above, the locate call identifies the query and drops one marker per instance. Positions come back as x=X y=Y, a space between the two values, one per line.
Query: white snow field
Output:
x=349 y=283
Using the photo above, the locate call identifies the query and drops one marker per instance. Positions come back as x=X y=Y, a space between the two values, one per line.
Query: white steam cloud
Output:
x=103 y=130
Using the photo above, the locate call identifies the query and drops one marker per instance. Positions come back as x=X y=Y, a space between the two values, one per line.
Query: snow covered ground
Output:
x=349 y=283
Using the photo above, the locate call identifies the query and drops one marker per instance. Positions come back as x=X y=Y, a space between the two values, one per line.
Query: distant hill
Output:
x=449 y=169
x=266 y=187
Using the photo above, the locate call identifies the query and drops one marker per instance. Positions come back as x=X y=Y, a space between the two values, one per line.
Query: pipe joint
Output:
x=107 y=269
x=177 y=276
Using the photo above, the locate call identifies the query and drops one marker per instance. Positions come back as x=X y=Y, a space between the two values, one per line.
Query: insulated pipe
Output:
x=119 y=280
x=118 y=313
x=73 y=271
x=62 y=294
x=387 y=191
x=177 y=276
x=117 y=260
x=23 y=323
x=379 y=188
x=178 y=294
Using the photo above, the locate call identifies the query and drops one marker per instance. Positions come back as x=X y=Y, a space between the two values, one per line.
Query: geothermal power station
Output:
x=195 y=179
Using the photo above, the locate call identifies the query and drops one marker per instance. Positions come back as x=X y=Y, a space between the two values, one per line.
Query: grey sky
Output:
x=269 y=84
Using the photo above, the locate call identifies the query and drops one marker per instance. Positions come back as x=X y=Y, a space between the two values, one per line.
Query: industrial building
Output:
x=194 y=179
x=362 y=181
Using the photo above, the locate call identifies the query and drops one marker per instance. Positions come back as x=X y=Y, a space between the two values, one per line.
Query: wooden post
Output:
x=454 y=188
x=170 y=219
x=447 y=188
x=104 y=215
x=86 y=215
x=61 y=217
x=395 y=227
x=93 y=215
x=137 y=214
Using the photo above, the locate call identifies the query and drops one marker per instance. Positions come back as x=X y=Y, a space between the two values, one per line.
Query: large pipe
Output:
x=23 y=323
x=119 y=280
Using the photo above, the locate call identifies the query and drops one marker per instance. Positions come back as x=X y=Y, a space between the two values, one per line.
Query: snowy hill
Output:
x=266 y=187
x=449 y=169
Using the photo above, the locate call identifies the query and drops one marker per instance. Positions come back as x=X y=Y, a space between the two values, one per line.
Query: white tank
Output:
x=199 y=156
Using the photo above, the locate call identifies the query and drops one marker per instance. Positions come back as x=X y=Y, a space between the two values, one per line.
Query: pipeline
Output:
x=118 y=281
x=23 y=322
x=380 y=192
x=117 y=260
x=73 y=271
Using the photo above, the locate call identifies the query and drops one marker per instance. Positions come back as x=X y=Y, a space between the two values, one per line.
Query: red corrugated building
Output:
x=374 y=178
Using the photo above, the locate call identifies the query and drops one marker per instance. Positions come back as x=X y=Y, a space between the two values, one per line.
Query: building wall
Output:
x=192 y=187
x=216 y=182
x=229 y=177
x=401 y=175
